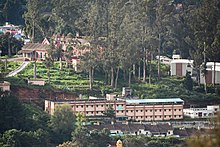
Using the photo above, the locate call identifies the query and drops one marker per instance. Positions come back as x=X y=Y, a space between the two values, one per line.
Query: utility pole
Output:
x=158 y=72
x=204 y=53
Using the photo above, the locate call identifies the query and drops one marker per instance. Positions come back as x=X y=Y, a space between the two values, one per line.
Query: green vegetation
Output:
x=8 y=66
x=68 y=80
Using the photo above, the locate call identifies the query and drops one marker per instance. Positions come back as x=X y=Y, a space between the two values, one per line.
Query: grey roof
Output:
x=35 y=46
x=170 y=100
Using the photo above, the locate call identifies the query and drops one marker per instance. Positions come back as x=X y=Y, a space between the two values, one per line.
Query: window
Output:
x=76 y=106
x=101 y=105
x=150 y=110
x=174 y=115
x=122 y=111
x=117 y=111
x=155 y=116
x=165 y=109
x=136 y=110
x=180 y=109
x=131 y=110
x=169 y=109
x=36 y=54
x=155 y=110
x=81 y=106
x=146 y=116
x=87 y=106
x=169 y=116
x=40 y=55
x=146 y=110
x=174 y=109
x=136 y=116
x=160 y=116
x=97 y=105
x=165 y=116
x=179 y=115
x=141 y=110
x=160 y=110
x=126 y=110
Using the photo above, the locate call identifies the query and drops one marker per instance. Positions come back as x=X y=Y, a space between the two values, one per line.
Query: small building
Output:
x=34 y=51
x=36 y=82
x=10 y=28
x=176 y=56
x=120 y=129
x=164 y=59
x=211 y=73
x=180 y=67
x=208 y=112
x=126 y=91
x=111 y=96
x=5 y=86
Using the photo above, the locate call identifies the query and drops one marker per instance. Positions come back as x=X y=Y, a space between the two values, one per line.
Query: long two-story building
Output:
x=130 y=109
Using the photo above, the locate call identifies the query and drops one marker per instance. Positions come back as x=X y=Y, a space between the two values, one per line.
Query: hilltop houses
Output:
x=38 y=51
x=180 y=67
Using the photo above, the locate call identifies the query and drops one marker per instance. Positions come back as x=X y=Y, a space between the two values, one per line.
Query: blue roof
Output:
x=170 y=100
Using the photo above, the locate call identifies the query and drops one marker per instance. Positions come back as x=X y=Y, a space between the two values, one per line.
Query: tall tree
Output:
x=62 y=123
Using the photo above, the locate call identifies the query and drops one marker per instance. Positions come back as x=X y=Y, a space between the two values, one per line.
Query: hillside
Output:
x=67 y=84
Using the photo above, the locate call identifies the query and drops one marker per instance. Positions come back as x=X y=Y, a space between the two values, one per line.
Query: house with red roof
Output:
x=34 y=51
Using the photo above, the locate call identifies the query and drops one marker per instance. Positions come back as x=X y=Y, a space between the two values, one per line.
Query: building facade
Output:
x=213 y=74
x=208 y=112
x=34 y=51
x=179 y=67
x=137 y=110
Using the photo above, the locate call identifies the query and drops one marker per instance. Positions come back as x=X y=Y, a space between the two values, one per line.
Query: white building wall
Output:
x=173 y=69
x=217 y=77
x=203 y=112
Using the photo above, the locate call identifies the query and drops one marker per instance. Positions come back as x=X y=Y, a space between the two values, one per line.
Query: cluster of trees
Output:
x=26 y=125
x=130 y=33
x=11 y=11
x=9 y=45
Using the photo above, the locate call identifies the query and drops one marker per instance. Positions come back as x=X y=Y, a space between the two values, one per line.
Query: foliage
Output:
x=18 y=138
x=188 y=82
x=12 y=113
x=9 y=45
x=62 y=123
x=209 y=139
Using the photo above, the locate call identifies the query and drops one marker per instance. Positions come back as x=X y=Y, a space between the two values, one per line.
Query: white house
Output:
x=164 y=59
x=210 y=74
x=208 y=112
x=4 y=86
x=179 y=67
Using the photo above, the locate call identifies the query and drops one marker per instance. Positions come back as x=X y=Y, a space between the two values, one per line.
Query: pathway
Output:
x=20 y=68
